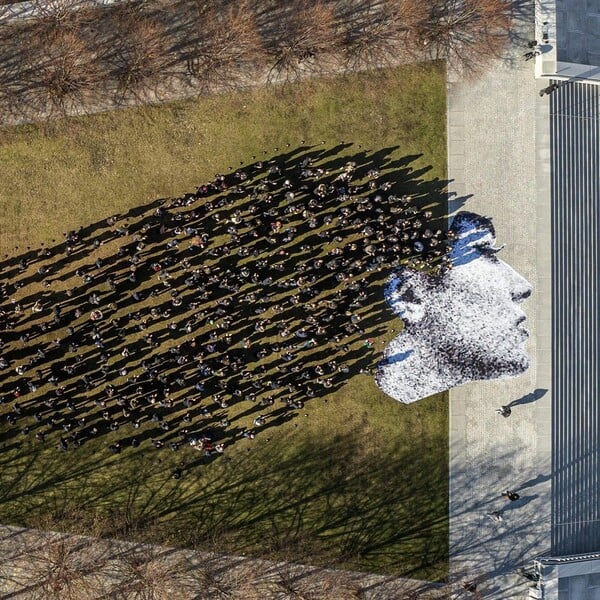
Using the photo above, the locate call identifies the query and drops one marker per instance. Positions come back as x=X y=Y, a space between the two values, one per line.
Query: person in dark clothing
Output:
x=511 y=495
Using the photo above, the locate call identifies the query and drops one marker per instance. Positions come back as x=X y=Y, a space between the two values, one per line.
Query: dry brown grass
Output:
x=93 y=167
x=61 y=567
x=467 y=33
x=139 y=53
x=228 y=47
x=381 y=32
x=65 y=567
x=219 y=578
x=59 y=69
x=294 y=582
x=306 y=40
x=59 y=14
x=149 y=573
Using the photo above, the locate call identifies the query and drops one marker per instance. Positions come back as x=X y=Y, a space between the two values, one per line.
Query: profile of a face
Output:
x=461 y=326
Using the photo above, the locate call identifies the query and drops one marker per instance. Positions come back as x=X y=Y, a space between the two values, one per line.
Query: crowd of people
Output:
x=211 y=317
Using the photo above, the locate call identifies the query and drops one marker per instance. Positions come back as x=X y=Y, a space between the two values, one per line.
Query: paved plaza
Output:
x=498 y=135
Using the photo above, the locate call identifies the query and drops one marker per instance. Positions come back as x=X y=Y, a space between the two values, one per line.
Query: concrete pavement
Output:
x=498 y=157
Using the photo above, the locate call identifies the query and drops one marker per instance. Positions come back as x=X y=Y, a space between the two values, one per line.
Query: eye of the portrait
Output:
x=487 y=250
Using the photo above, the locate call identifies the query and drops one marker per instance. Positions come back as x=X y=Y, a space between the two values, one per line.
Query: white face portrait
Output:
x=464 y=325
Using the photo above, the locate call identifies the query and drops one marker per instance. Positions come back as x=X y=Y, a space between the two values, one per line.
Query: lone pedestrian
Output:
x=512 y=496
x=470 y=586
x=505 y=411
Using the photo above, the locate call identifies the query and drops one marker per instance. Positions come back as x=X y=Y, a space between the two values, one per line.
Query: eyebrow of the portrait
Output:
x=465 y=222
x=477 y=238
x=469 y=247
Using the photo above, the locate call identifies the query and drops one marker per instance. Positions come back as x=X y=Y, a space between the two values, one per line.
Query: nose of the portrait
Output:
x=520 y=288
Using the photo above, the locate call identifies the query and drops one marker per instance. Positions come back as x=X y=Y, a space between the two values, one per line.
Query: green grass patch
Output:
x=75 y=172
x=355 y=479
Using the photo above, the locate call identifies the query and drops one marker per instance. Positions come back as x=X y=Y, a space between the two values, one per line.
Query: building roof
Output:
x=578 y=31
x=569 y=35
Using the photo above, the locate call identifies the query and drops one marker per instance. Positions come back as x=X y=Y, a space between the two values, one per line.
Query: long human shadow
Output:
x=529 y=398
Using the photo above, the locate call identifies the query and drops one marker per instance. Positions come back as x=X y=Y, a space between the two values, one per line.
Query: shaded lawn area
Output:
x=359 y=483
x=355 y=479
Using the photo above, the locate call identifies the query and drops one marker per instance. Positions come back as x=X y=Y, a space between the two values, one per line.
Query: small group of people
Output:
x=511 y=495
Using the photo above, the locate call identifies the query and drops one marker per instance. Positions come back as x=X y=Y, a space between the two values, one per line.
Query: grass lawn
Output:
x=75 y=172
x=355 y=479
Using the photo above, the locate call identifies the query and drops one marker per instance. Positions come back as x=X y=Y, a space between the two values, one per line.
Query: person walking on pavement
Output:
x=505 y=411
x=496 y=515
x=511 y=495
